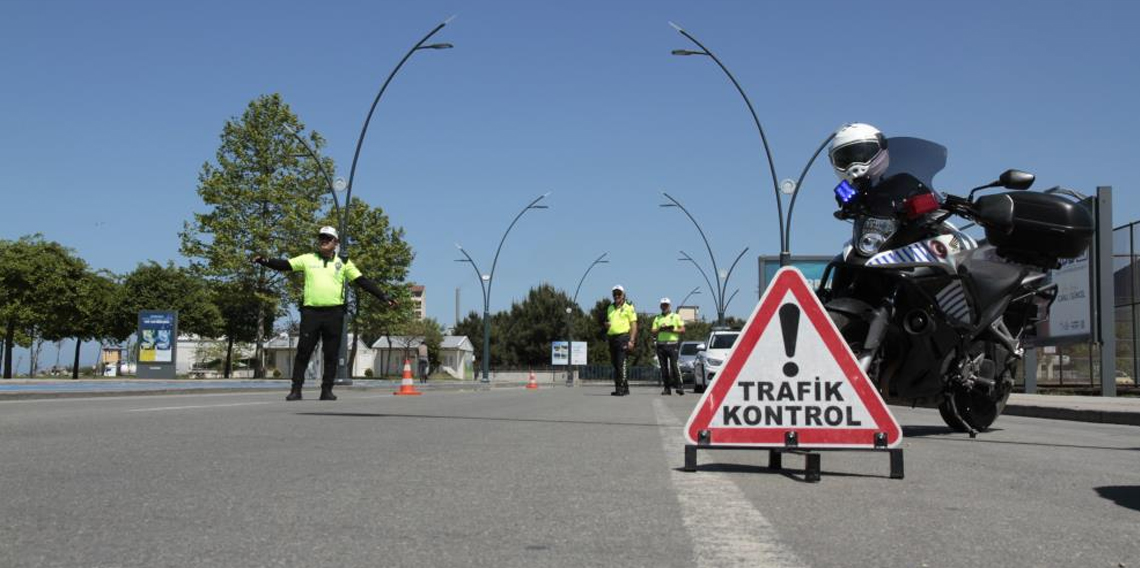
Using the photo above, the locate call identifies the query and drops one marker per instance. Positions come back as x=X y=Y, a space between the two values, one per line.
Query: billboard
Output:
x=559 y=353
x=812 y=267
x=156 y=337
x=1070 y=319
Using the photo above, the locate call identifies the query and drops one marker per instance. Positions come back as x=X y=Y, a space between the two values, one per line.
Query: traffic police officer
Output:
x=621 y=330
x=668 y=327
x=322 y=312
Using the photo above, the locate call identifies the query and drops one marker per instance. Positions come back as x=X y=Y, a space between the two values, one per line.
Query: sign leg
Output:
x=811 y=467
x=775 y=460
x=690 y=457
x=896 y=464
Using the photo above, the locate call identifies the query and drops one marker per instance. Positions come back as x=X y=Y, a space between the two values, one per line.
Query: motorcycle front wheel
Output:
x=979 y=410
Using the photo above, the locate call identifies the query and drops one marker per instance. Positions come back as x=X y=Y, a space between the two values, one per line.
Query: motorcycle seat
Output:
x=991 y=283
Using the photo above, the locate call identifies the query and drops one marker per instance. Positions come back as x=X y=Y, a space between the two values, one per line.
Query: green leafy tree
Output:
x=429 y=330
x=238 y=305
x=37 y=290
x=152 y=286
x=531 y=326
x=262 y=196
x=91 y=316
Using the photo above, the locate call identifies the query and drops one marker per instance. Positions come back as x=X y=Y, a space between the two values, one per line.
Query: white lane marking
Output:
x=197 y=406
x=724 y=527
x=188 y=393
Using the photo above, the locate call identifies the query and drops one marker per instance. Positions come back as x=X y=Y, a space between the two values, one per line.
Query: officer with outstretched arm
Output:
x=322 y=311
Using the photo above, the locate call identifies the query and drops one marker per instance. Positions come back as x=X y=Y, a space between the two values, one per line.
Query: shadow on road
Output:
x=487 y=418
x=946 y=434
x=1123 y=495
x=923 y=431
x=791 y=473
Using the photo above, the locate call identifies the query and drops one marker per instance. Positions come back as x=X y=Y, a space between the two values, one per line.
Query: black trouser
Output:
x=670 y=372
x=322 y=324
x=618 y=344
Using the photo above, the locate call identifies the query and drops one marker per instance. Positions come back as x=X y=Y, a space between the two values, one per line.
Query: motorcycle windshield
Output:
x=920 y=158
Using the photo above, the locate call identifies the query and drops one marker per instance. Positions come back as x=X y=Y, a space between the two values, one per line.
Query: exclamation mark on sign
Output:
x=790 y=325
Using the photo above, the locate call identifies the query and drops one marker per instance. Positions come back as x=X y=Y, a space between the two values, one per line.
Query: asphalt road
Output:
x=554 y=477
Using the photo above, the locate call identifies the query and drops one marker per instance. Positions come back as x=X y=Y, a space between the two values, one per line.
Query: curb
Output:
x=1074 y=414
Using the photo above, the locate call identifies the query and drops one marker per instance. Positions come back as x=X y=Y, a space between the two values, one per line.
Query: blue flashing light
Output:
x=845 y=192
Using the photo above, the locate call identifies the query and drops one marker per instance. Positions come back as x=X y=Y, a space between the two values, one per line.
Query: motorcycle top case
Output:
x=1036 y=224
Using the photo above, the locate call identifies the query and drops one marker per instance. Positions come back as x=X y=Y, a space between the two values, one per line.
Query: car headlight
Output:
x=715 y=362
x=872 y=232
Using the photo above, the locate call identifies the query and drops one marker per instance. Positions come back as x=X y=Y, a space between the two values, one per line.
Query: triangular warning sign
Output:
x=791 y=372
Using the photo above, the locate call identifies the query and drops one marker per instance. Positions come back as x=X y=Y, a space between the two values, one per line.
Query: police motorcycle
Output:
x=935 y=317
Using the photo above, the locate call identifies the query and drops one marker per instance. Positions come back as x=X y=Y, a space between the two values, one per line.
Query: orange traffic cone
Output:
x=533 y=384
x=407 y=386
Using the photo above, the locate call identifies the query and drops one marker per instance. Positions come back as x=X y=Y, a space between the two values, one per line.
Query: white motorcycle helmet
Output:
x=858 y=152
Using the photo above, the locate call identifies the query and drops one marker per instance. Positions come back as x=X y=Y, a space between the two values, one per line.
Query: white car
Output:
x=711 y=356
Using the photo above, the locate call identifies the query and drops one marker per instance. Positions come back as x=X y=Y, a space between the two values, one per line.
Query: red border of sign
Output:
x=789 y=279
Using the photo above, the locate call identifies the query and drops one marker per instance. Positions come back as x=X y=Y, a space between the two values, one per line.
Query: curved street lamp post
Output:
x=489 y=280
x=570 y=310
x=785 y=228
x=342 y=375
x=695 y=291
x=719 y=289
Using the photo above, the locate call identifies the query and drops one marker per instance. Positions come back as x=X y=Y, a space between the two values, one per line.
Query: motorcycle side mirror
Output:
x=1009 y=179
x=1016 y=179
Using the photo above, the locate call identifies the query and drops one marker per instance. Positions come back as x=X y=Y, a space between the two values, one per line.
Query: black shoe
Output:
x=294 y=394
x=326 y=393
x=680 y=392
x=617 y=393
x=667 y=392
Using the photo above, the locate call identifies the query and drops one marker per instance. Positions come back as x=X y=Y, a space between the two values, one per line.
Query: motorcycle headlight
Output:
x=872 y=232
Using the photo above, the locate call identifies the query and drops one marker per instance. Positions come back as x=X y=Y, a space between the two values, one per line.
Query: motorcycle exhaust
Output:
x=918 y=323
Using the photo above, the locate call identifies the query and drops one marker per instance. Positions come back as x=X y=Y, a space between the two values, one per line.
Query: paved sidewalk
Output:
x=1110 y=410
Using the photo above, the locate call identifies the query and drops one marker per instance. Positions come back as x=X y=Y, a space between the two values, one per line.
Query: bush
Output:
x=368 y=373
x=276 y=373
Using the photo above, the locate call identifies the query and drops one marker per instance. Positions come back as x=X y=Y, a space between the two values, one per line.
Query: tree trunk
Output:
x=34 y=356
x=75 y=363
x=259 y=353
x=229 y=356
x=9 y=338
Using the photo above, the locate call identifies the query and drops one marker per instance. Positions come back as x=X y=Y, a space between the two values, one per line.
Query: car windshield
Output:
x=723 y=341
x=688 y=349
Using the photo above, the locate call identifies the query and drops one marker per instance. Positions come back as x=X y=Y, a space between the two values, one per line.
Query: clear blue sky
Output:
x=108 y=110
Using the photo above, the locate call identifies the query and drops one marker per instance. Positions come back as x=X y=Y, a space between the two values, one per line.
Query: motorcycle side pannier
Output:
x=1037 y=224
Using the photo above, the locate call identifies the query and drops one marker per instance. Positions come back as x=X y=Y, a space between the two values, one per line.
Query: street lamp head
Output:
x=688 y=52
x=436 y=46
x=340 y=184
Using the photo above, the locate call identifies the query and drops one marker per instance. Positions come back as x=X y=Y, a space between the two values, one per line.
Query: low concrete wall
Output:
x=544 y=377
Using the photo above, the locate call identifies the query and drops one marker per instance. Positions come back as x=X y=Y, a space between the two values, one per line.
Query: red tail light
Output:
x=921 y=204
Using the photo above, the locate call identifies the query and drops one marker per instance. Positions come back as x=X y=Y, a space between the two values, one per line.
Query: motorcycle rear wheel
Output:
x=979 y=410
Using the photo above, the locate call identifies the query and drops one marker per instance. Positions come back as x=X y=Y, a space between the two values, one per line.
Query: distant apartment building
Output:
x=420 y=307
x=689 y=314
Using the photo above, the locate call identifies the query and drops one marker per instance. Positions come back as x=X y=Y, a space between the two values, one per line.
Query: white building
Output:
x=456 y=355
x=281 y=351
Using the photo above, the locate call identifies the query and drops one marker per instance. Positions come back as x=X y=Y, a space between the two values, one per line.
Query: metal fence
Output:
x=1078 y=365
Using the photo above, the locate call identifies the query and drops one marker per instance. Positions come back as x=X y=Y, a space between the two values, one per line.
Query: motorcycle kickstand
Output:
x=954 y=408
